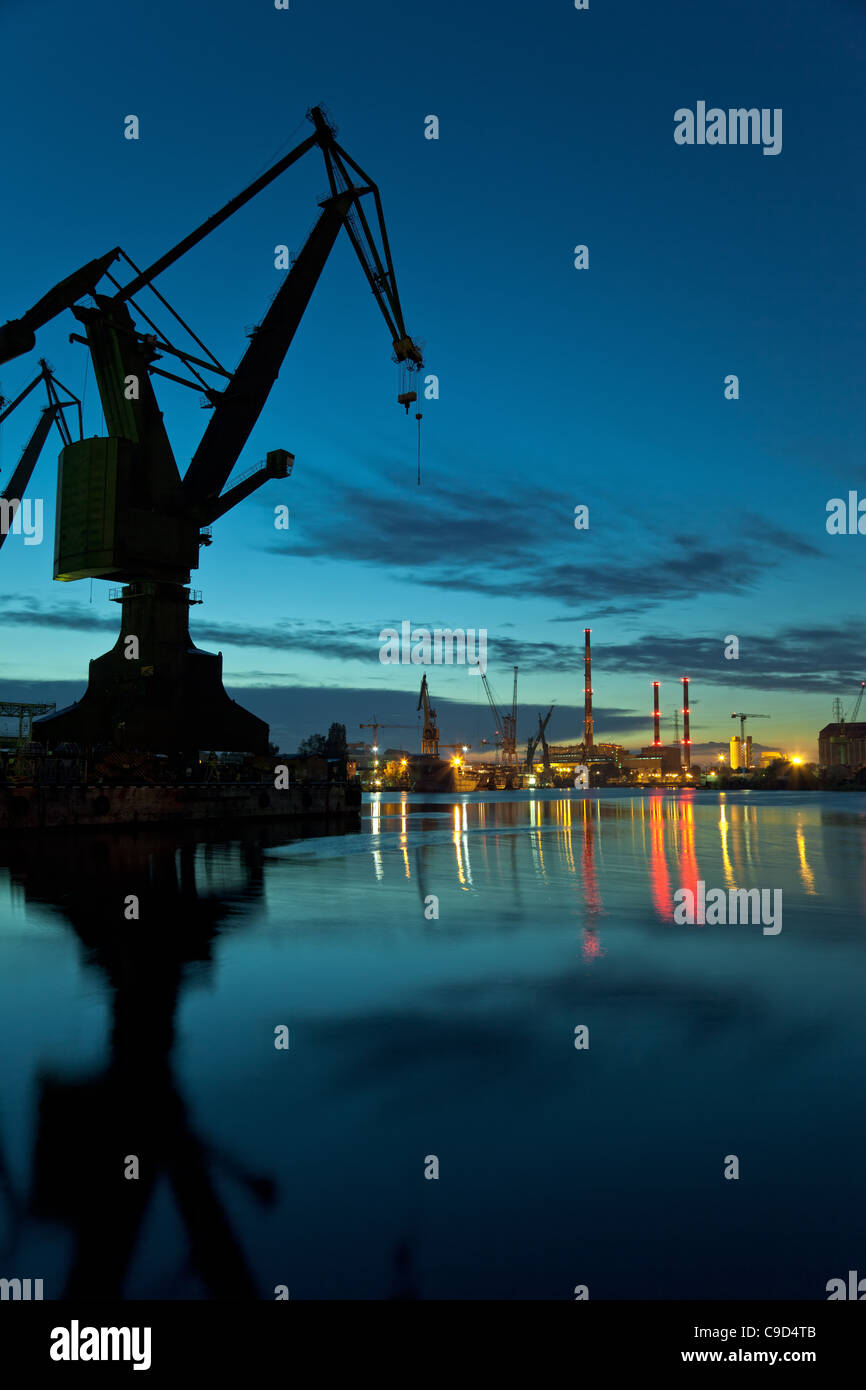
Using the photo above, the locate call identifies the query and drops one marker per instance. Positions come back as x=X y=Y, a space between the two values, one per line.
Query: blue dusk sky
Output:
x=558 y=386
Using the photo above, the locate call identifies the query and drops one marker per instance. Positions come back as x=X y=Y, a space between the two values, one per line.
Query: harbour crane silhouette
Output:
x=127 y=515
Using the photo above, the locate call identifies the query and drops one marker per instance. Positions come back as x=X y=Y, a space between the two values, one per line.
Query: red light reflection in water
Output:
x=688 y=865
x=590 y=882
x=659 y=877
x=591 y=945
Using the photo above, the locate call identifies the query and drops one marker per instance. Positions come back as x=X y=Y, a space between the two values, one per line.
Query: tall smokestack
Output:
x=587 y=691
x=656 y=740
x=687 y=742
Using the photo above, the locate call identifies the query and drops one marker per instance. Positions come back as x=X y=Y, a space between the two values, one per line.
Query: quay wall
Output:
x=32 y=806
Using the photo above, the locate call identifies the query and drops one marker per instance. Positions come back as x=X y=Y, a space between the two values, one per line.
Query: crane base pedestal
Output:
x=155 y=691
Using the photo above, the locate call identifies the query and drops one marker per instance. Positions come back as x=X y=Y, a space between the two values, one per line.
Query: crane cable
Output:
x=418 y=418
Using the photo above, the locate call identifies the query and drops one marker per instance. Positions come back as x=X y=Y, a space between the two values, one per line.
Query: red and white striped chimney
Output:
x=687 y=742
x=587 y=690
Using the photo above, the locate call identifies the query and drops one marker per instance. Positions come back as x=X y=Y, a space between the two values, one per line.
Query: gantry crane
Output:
x=125 y=513
x=430 y=731
x=742 y=718
x=25 y=714
x=506 y=724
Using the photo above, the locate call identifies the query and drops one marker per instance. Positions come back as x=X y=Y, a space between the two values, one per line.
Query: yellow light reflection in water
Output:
x=376 y=826
x=805 y=872
x=736 y=822
x=458 y=847
x=536 y=814
x=563 y=812
x=748 y=822
x=726 y=859
x=466 y=843
x=404 y=837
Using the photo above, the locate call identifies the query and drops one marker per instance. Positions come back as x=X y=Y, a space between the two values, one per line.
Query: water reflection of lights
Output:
x=563 y=814
x=536 y=815
x=461 y=846
x=590 y=882
x=805 y=872
x=542 y=832
x=726 y=858
x=749 y=821
x=404 y=838
x=689 y=872
x=660 y=883
x=592 y=947
x=376 y=827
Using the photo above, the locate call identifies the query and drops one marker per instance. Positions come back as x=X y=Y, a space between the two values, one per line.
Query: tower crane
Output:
x=430 y=731
x=125 y=512
x=376 y=726
x=506 y=724
x=742 y=718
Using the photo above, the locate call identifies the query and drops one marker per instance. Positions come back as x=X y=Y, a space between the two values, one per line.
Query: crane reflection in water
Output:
x=89 y=1125
x=534 y=891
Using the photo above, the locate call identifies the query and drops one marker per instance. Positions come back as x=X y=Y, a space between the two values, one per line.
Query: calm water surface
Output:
x=412 y=1035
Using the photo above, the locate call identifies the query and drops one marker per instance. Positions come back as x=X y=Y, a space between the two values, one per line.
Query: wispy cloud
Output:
x=794 y=659
x=527 y=547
